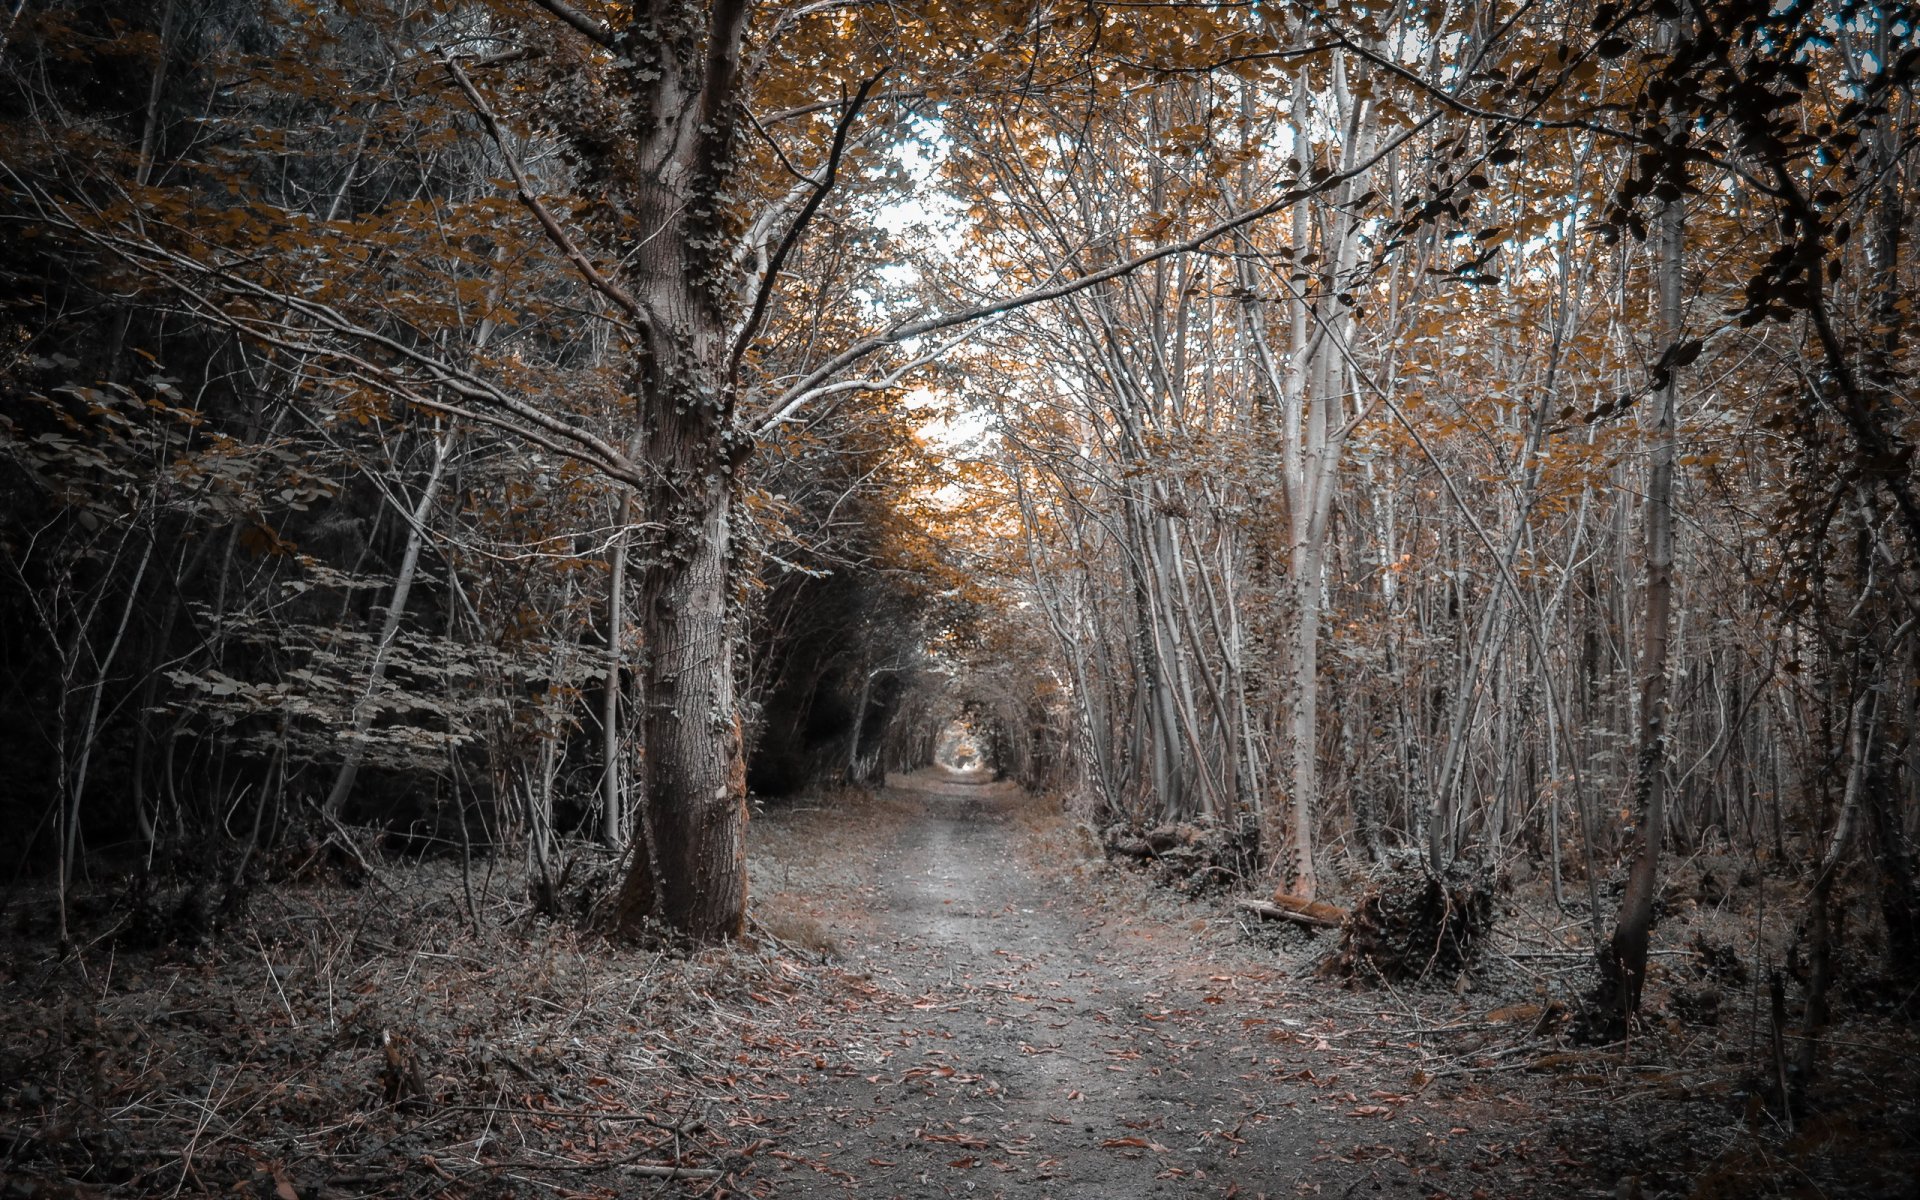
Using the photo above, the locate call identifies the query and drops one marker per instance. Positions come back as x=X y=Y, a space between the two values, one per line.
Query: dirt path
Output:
x=1020 y=1042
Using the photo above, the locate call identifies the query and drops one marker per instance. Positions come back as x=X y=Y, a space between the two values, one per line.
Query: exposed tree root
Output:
x=1410 y=922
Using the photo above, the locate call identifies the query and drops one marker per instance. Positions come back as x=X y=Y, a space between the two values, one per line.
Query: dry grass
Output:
x=335 y=1042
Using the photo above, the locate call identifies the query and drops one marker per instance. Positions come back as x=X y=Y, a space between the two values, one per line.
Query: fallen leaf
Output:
x=1134 y=1143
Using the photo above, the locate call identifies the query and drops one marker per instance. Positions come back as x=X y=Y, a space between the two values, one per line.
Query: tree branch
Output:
x=593 y=30
x=558 y=236
x=891 y=379
x=907 y=331
x=165 y=265
x=804 y=110
x=490 y=420
x=821 y=187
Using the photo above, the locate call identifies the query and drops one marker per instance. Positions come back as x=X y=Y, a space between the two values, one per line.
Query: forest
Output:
x=581 y=581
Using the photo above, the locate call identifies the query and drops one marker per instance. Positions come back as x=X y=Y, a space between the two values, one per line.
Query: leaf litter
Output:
x=933 y=994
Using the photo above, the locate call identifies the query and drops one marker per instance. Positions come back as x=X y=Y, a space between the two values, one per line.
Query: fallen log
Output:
x=1184 y=857
x=1320 y=916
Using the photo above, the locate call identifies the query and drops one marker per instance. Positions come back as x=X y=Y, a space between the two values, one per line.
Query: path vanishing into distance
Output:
x=1023 y=1041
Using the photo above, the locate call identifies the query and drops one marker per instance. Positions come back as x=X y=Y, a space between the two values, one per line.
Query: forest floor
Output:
x=1061 y=1027
x=949 y=993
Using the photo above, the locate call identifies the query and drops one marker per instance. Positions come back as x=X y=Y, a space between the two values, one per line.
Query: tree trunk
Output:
x=656 y=140
x=368 y=706
x=1623 y=961
x=1893 y=860
x=692 y=779
x=853 y=774
x=692 y=876
x=613 y=812
x=1820 y=924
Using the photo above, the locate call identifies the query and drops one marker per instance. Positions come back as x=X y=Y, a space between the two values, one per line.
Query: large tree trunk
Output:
x=663 y=170
x=692 y=877
x=691 y=874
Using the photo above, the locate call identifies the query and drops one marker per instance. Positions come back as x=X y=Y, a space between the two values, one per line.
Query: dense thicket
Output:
x=1540 y=489
x=265 y=567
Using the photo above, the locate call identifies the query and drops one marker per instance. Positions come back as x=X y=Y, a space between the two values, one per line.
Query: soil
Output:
x=1041 y=1023
x=949 y=992
x=1028 y=1044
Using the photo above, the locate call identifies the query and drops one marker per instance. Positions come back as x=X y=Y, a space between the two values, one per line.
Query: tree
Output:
x=655 y=141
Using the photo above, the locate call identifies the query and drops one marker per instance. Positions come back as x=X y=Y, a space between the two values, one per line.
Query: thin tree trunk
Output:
x=366 y=709
x=77 y=784
x=1861 y=717
x=613 y=815
x=1623 y=961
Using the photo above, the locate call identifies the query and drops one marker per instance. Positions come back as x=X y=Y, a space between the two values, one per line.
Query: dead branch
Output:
x=531 y=199
x=1319 y=916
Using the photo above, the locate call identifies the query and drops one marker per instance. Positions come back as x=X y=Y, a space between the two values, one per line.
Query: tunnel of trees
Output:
x=1454 y=431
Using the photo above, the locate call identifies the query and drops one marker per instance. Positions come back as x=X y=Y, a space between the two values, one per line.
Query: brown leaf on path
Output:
x=1139 y=1143
x=965 y=1164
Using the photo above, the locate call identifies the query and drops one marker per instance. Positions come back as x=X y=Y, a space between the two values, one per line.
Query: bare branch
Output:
x=558 y=236
x=174 y=269
x=593 y=30
x=492 y=421
x=804 y=110
x=891 y=379
x=821 y=187
x=1067 y=287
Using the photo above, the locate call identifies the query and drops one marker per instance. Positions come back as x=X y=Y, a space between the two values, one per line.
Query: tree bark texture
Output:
x=654 y=135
